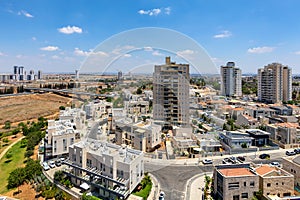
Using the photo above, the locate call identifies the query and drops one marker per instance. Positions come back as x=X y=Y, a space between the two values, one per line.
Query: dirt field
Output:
x=27 y=107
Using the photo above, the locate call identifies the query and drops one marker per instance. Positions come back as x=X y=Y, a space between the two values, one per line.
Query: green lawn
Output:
x=8 y=165
x=144 y=192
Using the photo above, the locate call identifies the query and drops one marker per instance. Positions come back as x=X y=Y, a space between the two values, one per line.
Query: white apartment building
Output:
x=75 y=115
x=171 y=93
x=231 y=80
x=111 y=171
x=60 y=135
x=274 y=83
x=97 y=109
x=142 y=136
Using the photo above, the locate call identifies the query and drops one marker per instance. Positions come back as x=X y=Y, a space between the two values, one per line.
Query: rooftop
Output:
x=121 y=154
x=236 y=172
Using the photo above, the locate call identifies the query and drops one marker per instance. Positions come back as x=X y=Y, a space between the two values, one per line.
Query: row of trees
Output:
x=10 y=90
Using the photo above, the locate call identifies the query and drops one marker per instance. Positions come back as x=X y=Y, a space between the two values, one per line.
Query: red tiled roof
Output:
x=236 y=172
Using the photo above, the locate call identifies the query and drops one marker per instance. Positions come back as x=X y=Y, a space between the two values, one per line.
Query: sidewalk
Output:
x=12 y=144
x=194 y=186
x=154 y=194
x=197 y=161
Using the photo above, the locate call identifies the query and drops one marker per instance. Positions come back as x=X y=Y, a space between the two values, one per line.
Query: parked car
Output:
x=241 y=158
x=297 y=151
x=45 y=166
x=264 y=156
x=290 y=153
x=274 y=164
x=161 y=195
x=58 y=163
x=226 y=161
x=52 y=164
x=207 y=161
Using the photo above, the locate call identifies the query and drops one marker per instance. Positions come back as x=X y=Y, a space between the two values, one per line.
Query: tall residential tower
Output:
x=231 y=80
x=171 y=93
x=274 y=83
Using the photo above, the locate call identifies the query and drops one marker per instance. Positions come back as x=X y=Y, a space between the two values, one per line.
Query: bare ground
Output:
x=28 y=107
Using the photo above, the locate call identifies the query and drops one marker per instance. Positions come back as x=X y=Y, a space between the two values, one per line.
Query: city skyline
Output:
x=41 y=35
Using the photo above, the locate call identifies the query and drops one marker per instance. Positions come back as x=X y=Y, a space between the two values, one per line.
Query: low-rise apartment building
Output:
x=97 y=109
x=235 y=182
x=275 y=181
x=284 y=133
x=136 y=107
x=141 y=135
x=111 y=171
x=60 y=135
x=243 y=181
x=292 y=165
x=75 y=115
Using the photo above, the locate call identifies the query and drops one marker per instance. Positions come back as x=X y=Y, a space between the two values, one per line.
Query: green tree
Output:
x=7 y=125
x=62 y=108
x=16 y=178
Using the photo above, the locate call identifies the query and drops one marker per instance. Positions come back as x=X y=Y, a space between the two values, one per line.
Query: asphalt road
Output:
x=173 y=179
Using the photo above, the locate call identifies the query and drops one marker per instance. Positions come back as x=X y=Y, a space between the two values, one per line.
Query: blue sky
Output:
x=57 y=35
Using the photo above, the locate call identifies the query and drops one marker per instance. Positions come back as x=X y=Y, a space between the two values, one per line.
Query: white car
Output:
x=52 y=164
x=45 y=166
x=161 y=195
x=275 y=164
x=207 y=161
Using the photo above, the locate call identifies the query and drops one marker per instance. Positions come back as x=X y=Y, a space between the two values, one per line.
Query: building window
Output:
x=245 y=184
x=72 y=141
x=65 y=144
x=268 y=184
x=245 y=195
x=282 y=183
x=236 y=197
x=252 y=184
x=232 y=186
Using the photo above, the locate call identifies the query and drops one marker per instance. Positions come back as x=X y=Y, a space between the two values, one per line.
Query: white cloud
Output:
x=297 y=52
x=168 y=10
x=156 y=53
x=123 y=49
x=259 y=50
x=155 y=11
x=127 y=55
x=49 y=48
x=70 y=30
x=223 y=34
x=20 y=56
x=2 y=54
x=80 y=52
x=55 y=57
x=148 y=49
x=25 y=13
x=33 y=38
x=185 y=52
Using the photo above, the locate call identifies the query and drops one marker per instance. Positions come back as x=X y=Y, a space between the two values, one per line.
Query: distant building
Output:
x=171 y=93
x=274 y=83
x=108 y=170
x=231 y=80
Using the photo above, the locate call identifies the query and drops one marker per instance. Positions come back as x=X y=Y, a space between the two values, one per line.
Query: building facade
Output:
x=142 y=136
x=171 y=93
x=111 y=171
x=231 y=80
x=274 y=83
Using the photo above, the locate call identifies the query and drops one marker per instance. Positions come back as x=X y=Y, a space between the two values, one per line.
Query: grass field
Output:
x=144 y=192
x=8 y=165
